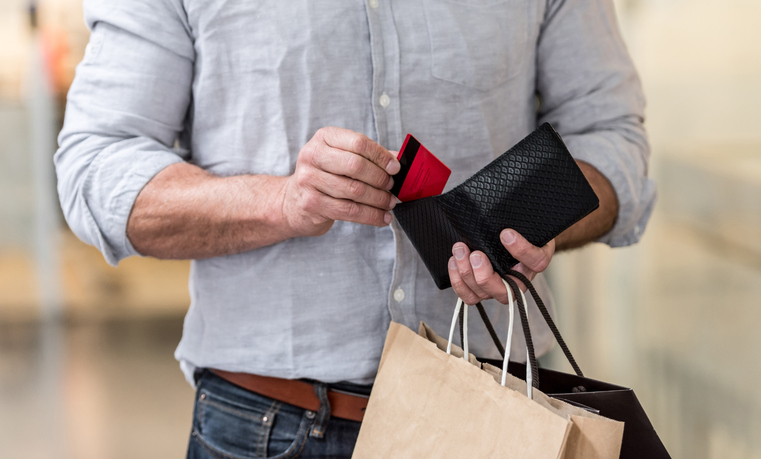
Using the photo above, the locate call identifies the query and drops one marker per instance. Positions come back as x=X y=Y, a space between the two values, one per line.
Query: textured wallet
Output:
x=535 y=188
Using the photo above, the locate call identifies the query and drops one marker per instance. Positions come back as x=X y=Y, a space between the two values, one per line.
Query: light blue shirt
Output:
x=240 y=87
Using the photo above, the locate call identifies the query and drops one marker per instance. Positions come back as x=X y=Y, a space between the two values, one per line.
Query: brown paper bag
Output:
x=429 y=404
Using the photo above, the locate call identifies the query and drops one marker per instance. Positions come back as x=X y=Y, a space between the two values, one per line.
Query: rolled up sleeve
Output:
x=591 y=93
x=125 y=109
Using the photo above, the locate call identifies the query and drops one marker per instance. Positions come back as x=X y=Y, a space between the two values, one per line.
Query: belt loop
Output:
x=323 y=416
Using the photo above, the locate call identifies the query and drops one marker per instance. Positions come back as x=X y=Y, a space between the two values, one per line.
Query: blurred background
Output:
x=86 y=365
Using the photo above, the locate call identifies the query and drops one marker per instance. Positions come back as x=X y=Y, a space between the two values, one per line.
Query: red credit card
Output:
x=422 y=174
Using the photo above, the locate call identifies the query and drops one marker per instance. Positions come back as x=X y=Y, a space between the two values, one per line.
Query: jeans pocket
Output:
x=477 y=43
x=247 y=428
x=231 y=428
x=289 y=434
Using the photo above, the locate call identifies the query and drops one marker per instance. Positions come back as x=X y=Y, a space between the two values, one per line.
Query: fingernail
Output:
x=392 y=203
x=393 y=167
x=459 y=252
x=390 y=183
x=508 y=237
x=476 y=260
x=387 y=217
x=452 y=264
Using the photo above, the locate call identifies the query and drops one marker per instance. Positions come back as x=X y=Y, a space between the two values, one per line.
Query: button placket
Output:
x=379 y=70
x=389 y=98
x=387 y=110
x=402 y=292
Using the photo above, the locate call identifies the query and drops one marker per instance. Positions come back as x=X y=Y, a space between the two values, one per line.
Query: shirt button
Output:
x=399 y=295
x=384 y=100
x=373 y=3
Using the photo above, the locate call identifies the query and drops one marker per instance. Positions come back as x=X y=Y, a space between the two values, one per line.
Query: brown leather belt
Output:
x=299 y=393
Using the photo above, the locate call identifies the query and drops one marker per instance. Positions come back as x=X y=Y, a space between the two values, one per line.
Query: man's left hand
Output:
x=474 y=279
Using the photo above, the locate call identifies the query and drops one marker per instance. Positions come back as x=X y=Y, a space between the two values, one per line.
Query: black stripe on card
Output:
x=409 y=152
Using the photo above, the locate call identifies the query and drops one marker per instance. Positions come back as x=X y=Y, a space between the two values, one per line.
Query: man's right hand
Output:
x=340 y=175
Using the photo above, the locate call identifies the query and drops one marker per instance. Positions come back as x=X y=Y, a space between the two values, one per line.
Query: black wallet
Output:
x=535 y=188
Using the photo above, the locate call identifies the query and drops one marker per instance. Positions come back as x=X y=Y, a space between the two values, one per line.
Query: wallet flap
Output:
x=434 y=244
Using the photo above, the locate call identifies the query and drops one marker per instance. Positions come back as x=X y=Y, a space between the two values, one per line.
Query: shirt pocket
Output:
x=480 y=44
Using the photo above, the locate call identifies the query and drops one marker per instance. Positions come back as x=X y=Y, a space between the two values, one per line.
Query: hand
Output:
x=340 y=175
x=474 y=279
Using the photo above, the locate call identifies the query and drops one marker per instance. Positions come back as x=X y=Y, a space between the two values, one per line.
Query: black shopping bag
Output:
x=612 y=401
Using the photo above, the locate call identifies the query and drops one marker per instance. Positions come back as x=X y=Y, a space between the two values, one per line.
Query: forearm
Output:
x=598 y=222
x=185 y=212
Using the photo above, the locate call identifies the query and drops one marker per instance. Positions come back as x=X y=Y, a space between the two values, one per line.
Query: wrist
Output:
x=599 y=222
x=278 y=212
x=266 y=207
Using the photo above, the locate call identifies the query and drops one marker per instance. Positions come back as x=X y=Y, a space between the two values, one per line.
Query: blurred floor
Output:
x=116 y=393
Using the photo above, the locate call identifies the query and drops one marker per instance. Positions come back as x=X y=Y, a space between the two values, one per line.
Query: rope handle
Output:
x=532 y=365
x=548 y=320
x=532 y=368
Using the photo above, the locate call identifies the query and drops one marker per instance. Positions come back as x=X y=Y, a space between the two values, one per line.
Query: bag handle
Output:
x=532 y=370
x=463 y=327
x=547 y=318
x=462 y=314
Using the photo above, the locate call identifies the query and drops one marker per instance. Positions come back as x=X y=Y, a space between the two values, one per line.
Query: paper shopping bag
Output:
x=428 y=403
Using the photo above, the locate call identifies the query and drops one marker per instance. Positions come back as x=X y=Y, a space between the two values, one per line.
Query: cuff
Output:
x=115 y=179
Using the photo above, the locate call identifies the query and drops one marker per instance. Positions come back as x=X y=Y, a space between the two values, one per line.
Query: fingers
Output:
x=345 y=188
x=532 y=258
x=460 y=287
x=344 y=163
x=473 y=277
x=360 y=144
x=489 y=281
x=340 y=175
x=346 y=210
x=465 y=270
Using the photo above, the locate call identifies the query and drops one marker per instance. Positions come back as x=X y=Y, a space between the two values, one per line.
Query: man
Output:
x=257 y=139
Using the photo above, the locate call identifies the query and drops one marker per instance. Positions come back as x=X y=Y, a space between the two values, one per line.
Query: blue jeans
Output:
x=230 y=422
